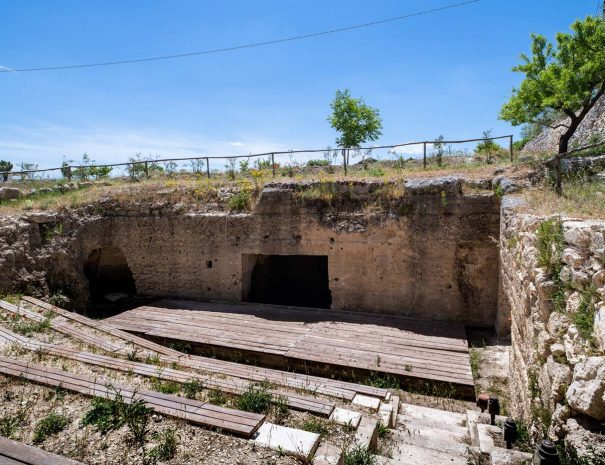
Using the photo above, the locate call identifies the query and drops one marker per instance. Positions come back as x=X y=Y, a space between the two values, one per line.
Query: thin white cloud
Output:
x=46 y=145
x=237 y=144
x=6 y=68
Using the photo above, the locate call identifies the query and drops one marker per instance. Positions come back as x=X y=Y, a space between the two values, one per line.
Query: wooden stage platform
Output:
x=314 y=340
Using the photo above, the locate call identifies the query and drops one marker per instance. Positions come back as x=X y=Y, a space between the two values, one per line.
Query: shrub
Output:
x=5 y=167
x=241 y=201
x=318 y=162
x=376 y=171
x=256 y=399
x=105 y=414
x=49 y=425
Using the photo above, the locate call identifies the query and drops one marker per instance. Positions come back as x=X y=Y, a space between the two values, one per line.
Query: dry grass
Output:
x=197 y=189
x=580 y=199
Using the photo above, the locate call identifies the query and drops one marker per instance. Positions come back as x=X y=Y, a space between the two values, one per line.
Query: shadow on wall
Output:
x=110 y=280
x=297 y=280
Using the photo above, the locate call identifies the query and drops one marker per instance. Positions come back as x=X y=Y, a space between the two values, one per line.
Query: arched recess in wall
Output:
x=108 y=274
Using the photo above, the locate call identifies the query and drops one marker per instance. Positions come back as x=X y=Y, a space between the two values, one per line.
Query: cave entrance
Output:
x=297 y=280
x=110 y=280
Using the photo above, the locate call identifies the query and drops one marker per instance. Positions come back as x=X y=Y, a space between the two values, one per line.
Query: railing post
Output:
x=146 y=170
x=344 y=160
x=510 y=145
x=559 y=172
x=273 y=163
x=208 y=167
x=424 y=154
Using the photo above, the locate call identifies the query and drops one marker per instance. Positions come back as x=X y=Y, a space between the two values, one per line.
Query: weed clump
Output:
x=166 y=448
x=359 y=455
x=49 y=425
x=317 y=426
x=256 y=399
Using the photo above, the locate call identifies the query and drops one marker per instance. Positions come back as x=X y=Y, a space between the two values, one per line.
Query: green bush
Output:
x=318 y=162
x=105 y=414
x=241 y=201
x=49 y=425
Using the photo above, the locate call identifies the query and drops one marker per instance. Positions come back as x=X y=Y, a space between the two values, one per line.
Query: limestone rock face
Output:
x=9 y=193
x=599 y=327
x=593 y=124
x=586 y=394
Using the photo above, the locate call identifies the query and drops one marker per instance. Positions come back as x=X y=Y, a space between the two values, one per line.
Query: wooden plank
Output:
x=61 y=327
x=234 y=386
x=202 y=413
x=23 y=454
x=341 y=389
x=436 y=352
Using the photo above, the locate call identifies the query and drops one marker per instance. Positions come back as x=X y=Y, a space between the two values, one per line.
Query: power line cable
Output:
x=244 y=46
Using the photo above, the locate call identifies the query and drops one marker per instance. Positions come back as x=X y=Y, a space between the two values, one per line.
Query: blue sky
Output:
x=445 y=73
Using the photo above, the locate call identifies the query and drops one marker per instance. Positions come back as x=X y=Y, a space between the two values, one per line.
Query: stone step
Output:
x=417 y=455
x=432 y=415
x=500 y=456
x=411 y=424
x=429 y=438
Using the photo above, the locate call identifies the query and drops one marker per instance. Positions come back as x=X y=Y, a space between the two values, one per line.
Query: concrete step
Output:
x=417 y=455
x=429 y=438
x=431 y=416
x=500 y=456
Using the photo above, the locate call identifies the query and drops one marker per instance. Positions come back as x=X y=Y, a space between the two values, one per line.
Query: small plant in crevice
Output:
x=359 y=455
x=550 y=246
x=475 y=360
x=583 y=319
x=383 y=430
x=49 y=426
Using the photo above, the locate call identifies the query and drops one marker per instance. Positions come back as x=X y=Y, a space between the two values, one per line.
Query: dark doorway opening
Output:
x=110 y=280
x=297 y=280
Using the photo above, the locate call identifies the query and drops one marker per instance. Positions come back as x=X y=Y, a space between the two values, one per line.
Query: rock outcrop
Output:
x=592 y=127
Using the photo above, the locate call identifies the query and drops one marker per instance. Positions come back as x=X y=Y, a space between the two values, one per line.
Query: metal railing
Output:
x=68 y=170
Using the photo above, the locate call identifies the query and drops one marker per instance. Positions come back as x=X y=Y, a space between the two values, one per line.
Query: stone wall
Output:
x=557 y=369
x=431 y=253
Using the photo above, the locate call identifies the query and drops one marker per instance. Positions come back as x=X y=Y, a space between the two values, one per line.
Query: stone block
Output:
x=586 y=394
x=346 y=417
x=10 y=193
x=500 y=456
x=290 y=441
x=372 y=403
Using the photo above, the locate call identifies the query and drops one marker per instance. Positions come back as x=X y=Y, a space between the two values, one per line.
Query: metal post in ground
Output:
x=510 y=146
x=424 y=154
x=344 y=160
x=273 y=163
x=559 y=174
x=146 y=170
x=208 y=167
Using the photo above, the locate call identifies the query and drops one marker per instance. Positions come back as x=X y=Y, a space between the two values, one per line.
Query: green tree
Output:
x=5 y=167
x=356 y=122
x=567 y=77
